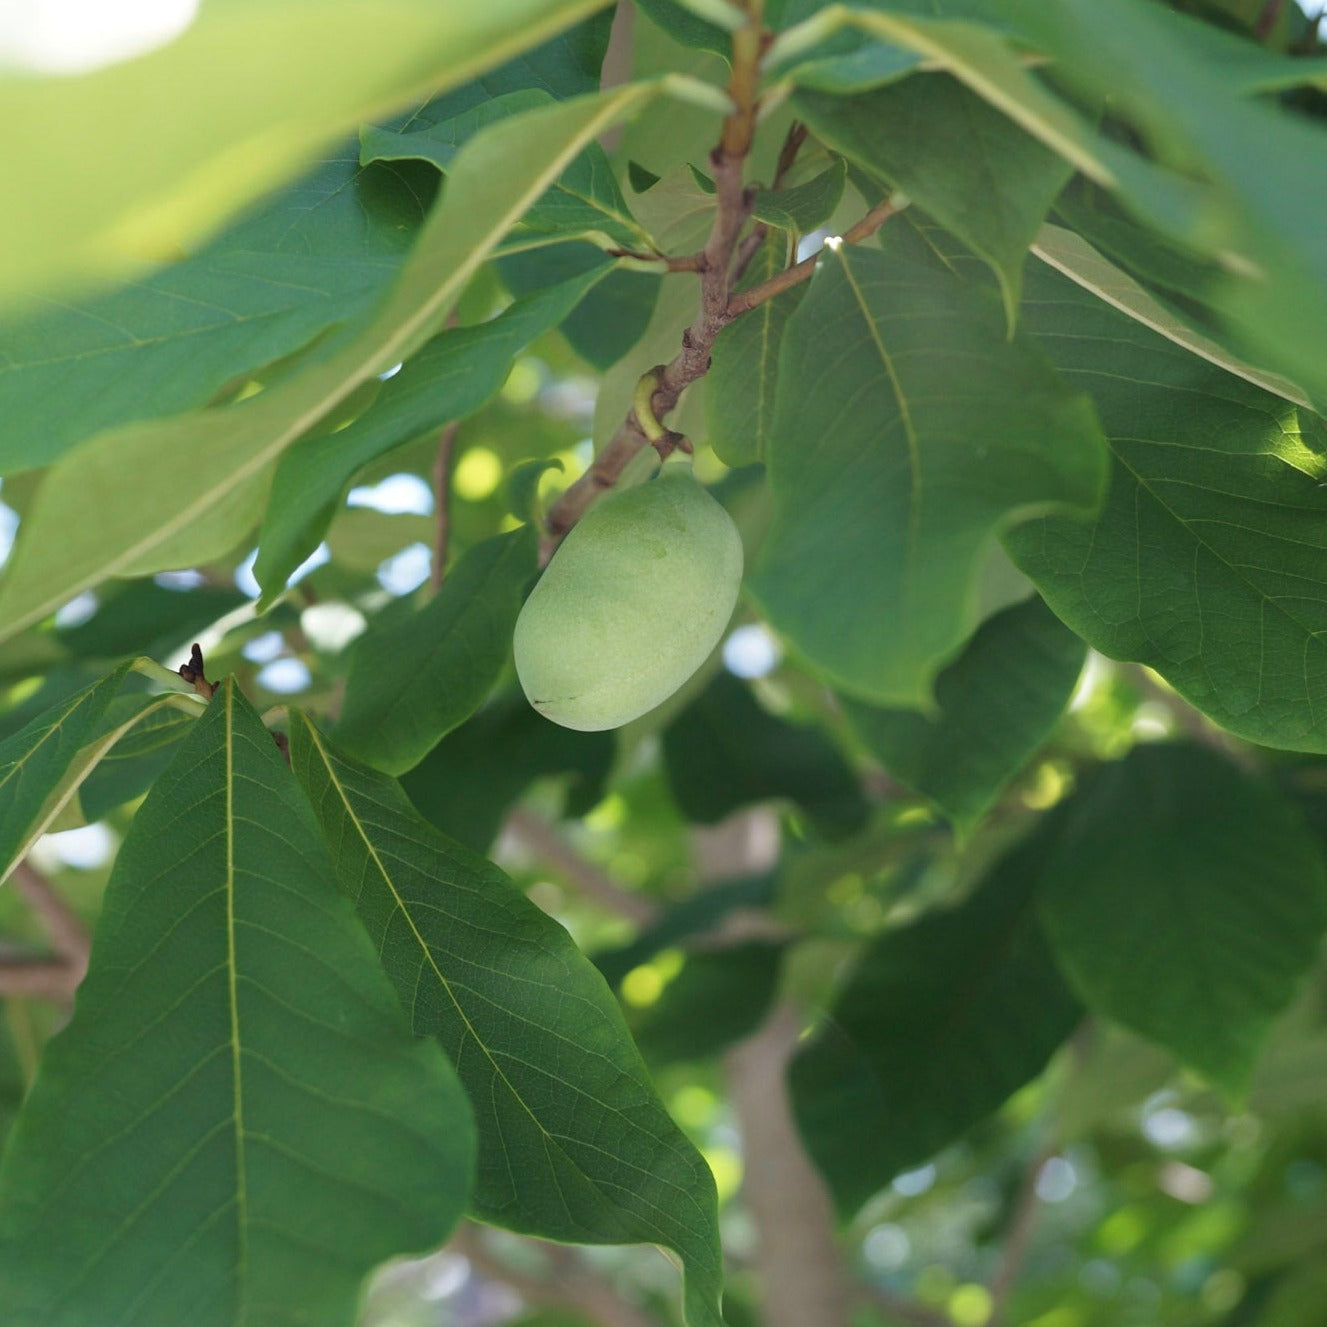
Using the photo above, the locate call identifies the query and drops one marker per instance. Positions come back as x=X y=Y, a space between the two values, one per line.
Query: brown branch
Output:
x=692 y=362
x=799 y=272
x=732 y=206
x=1018 y=1236
x=41 y=978
x=546 y=843
x=69 y=937
x=442 y=478
x=801 y=1266
x=686 y=262
x=571 y=1283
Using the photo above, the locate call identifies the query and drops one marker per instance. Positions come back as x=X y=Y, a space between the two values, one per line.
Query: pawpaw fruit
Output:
x=631 y=604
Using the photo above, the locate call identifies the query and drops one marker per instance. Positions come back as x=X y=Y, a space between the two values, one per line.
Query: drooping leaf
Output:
x=266 y=86
x=450 y=378
x=585 y=202
x=1073 y=256
x=574 y=1143
x=725 y=751
x=611 y=318
x=1186 y=900
x=1265 y=165
x=236 y=1125
x=468 y=782
x=142 y=617
x=155 y=493
x=940 y=1022
x=965 y=163
x=716 y=999
x=1206 y=560
x=802 y=207
x=996 y=703
x=42 y=764
x=413 y=681
x=702 y=911
x=908 y=430
x=871 y=65
x=316 y=254
x=744 y=367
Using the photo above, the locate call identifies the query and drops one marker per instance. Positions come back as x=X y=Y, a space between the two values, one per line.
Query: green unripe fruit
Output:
x=631 y=604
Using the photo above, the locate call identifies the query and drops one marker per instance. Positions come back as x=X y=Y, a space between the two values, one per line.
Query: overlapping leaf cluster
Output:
x=1067 y=398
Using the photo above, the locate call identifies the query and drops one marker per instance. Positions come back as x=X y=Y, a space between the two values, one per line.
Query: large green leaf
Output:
x=939 y=1023
x=236 y=1125
x=574 y=1143
x=997 y=702
x=469 y=781
x=1207 y=560
x=744 y=368
x=450 y=378
x=156 y=483
x=909 y=429
x=724 y=751
x=412 y=681
x=969 y=166
x=314 y=255
x=245 y=98
x=1072 y=255
x=1266 y=166
x=1186 y=900
x=43 y=763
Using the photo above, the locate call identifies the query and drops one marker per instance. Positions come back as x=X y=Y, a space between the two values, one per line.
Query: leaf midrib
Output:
x=241 y=1173
x=424 y=949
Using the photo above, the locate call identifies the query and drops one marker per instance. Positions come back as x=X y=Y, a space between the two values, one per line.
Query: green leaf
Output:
x=157 y=482
x=145 y=743
x=908 y=431
x=872 y=65
x=744 y=367
x=43 y=763
x=997 y=702
x=141 y=617
x=450 y=378
x=1187 y=901
x=471 y=779
x=804 y=206
x=1206 y=560
x=724 y=751
x=236 y=1125
x=412 y=681
x=677 y=19
x=966 y=164
x=315 y=255
x=939 y=1023
x=703 y=911
x=611 y=318
x=1075 y=258
x=574 y=1143
x=585 y=202
x=716 y=999
x=245 y=98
